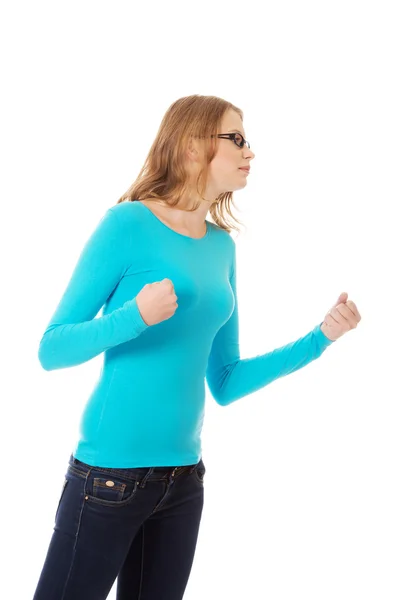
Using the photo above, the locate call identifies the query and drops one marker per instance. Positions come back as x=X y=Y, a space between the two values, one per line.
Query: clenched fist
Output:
x=342 y=317
x=157 y=301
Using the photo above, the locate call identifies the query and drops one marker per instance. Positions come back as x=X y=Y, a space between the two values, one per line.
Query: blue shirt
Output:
x=147 y=406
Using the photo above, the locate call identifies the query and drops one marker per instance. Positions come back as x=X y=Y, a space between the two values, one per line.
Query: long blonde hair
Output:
x=164 y=177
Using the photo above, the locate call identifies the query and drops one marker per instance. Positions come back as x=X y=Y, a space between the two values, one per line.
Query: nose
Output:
x=248 y=154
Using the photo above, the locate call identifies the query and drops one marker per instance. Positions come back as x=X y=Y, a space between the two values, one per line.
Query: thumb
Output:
x=342 y=299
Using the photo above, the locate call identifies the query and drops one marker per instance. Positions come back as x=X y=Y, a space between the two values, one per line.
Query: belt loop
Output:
x=145 y=478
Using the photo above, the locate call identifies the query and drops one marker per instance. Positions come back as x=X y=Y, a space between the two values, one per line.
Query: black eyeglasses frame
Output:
x=232 y=136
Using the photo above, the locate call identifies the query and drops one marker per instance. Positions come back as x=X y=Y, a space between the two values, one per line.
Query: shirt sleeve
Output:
x=230 y=377
x=73 y=335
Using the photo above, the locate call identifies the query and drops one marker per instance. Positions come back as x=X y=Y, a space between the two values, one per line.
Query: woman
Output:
x=132 y=499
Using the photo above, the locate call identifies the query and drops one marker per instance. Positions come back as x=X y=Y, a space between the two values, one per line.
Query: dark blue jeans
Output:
x=139 y=525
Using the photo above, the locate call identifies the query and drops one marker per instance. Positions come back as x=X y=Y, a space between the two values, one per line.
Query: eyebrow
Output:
x=235 y=131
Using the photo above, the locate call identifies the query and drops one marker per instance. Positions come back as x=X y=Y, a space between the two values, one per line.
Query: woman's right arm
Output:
x=73 y=335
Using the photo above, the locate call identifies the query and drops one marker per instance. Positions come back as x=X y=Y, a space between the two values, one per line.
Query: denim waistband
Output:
x=142 y=473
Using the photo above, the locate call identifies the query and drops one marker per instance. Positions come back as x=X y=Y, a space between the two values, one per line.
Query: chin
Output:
x=235 y=189
x=242 y=186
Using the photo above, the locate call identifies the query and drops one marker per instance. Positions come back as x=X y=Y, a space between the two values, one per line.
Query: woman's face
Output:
x=224 y=174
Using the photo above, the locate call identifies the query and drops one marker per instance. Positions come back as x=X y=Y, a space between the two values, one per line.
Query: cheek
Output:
x=223 y=164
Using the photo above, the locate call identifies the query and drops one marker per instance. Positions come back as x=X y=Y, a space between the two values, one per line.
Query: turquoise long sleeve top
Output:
x=147 y=407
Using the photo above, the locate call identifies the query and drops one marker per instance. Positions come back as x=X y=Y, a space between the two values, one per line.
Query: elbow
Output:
x=51 y=352
x=44 y=360
x=46 y=356
x=220 y=396
x=218 y=399
x=46 y=366
x=223 y=399
x=221 y=402
x=216 y=390
x=222 y=386
x=217 y=384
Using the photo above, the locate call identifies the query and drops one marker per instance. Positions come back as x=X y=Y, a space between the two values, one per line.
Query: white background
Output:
x=302 y=483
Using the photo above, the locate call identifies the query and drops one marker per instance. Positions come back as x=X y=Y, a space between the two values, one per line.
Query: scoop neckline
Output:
x=187 y=237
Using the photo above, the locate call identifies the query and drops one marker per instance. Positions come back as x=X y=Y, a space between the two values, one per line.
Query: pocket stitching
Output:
x=110 y=503
x=199 y=479
x=99 y=483
x=61 y=497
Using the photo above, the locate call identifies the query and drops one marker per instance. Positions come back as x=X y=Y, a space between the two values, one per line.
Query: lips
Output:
x=247 y=169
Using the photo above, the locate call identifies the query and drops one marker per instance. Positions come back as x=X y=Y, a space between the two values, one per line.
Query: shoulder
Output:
x=123 y=221
x=126 y=211
x=128 y=215
x=223 y=236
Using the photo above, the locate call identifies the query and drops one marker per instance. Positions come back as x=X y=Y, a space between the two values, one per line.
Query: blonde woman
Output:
x=165 y=276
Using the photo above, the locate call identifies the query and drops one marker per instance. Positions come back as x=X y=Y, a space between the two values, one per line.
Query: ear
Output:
x=192 y=151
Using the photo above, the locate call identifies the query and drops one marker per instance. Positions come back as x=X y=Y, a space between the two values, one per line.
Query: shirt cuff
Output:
x=323 y=341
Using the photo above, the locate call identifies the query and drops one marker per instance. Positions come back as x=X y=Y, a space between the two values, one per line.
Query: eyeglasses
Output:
x=237 y=138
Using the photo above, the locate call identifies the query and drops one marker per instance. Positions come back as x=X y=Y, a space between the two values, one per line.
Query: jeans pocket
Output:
x=61 y=496
x=109 y=489
x=200 y=471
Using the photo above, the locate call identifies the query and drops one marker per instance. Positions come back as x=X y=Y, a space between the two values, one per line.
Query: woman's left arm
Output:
x=230 y=377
